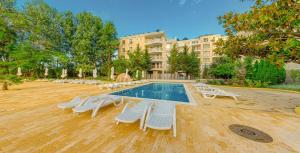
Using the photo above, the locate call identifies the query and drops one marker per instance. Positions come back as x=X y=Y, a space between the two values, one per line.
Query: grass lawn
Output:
x=294 y=86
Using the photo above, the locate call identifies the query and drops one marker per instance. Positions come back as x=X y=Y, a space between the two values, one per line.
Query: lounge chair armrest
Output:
x=126 y=106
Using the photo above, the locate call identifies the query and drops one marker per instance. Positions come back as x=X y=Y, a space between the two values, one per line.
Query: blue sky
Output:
x=178 y=18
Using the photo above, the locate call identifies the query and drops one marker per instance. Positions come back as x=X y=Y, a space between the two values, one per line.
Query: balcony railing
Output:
x=153 y=41
x=156 y=59
x=155 y=50
x=156 y=67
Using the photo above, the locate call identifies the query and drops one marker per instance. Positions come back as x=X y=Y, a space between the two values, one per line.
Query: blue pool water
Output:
x=160 y=91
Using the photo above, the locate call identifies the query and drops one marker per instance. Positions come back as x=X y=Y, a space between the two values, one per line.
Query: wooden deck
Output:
x=31 y=122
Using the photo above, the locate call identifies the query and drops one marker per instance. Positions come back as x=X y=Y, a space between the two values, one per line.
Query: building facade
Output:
x=159 y=48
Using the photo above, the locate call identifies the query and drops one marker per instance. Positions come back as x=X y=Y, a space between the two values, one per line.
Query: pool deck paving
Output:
x=31 y=122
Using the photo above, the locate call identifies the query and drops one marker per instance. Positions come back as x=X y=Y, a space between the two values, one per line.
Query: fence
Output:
x=169 y=76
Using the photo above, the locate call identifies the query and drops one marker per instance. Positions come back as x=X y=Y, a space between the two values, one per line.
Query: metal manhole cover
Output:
x=250 y=133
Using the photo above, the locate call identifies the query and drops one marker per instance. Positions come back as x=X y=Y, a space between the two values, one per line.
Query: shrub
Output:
x=249 y=83
x=249 y=67
x=295 y=75
x=265 y=71
x=257 y=84
x=222 y=67
x=216 y=82
x=294 y=86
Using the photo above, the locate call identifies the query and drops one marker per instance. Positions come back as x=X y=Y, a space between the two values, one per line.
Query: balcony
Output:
x=195 y=43
x=155 y=59
x=154 y=42
x=155 y=50
x=156 y=69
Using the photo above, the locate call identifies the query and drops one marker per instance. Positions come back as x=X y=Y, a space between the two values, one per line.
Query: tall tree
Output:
x=85 y=41
x=8 y=39
x=173 y=59
x=183 y=59
x=136 y=59
x=37 y=36
x=248 y=62
x=108 y=43
x=269 y=30
x=193 y=67
x=146 y=60
x=120 y=65
x=223 y=67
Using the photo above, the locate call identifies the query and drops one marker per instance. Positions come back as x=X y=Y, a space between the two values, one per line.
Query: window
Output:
x=206 y=60
x=194 y=42
x=123 y=42
x=206 y=46
x=206 y=53
x=213 y=40
x=130 y=41
x=205 y=39
x=196 y=48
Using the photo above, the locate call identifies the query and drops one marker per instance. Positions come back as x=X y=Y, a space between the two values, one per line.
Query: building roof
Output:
x=141 y=34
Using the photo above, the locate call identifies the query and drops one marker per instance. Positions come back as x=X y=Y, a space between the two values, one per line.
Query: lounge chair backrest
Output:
x=76 y=99
x=163 y=108
x=141 y=106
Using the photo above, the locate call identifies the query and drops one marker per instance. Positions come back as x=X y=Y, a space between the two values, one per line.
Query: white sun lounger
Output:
x=199 y=84
x=211 y=94
x=74 y=102
x=136 y=112
x=94 y=103
x=162 y=116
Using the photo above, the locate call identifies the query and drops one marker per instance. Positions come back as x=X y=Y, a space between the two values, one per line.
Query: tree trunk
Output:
x=5 y=86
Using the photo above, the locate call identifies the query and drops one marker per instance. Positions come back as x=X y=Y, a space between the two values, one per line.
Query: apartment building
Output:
x=159 y=48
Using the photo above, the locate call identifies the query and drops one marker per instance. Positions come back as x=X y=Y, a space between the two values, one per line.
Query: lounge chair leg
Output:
x=235 y=98
x=141 y=124
x=212 y=97
x=174 y=131
x=94 y=113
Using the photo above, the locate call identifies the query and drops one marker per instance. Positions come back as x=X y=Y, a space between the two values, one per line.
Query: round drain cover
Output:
x=250 y=133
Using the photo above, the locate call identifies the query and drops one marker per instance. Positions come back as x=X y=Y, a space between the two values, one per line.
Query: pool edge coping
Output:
x=191 y=102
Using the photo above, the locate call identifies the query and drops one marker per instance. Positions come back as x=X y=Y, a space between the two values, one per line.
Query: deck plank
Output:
x=31 y=122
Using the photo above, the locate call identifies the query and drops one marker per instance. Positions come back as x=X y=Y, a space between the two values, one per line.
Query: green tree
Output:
x=223 y=67
x=205 y=74
x=269 y=30
x=173 y=59
x=265 y=71
x=249 y=67
x=36 y=36
x=136 y=60
x=183 y=59
x=108 y=44
x=120 y=65
x=83 y=42
x=295 y=75
x=8 y=39
x=255 y=70
x=146 y=60
x=193 y=67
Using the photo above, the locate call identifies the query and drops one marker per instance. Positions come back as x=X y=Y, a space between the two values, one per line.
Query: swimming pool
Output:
x=159 y=91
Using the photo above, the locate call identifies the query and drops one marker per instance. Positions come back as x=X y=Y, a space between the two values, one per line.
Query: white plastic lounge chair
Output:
x=102 y=86
x=211 y=94
x=206 y=88
x=74 y=102
x=128 y=84
x=136 y=112
x=199 y=84
x=94 y=103
x=162 y=116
